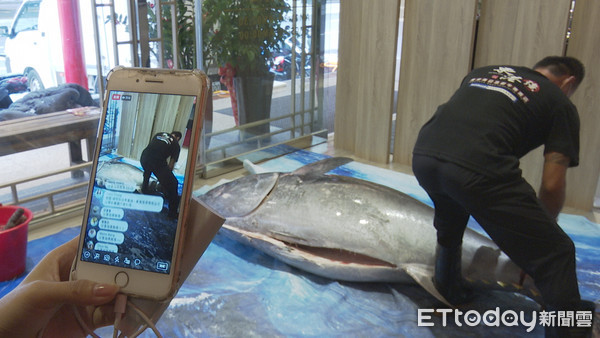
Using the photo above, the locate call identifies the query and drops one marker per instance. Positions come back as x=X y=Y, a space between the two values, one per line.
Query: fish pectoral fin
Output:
x=423 y=275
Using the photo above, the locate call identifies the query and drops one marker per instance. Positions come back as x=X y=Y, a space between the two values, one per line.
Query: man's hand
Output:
x=554 y=183
x=44 y=301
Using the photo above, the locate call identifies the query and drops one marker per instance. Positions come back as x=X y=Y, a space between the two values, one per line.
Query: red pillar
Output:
x=72 y=42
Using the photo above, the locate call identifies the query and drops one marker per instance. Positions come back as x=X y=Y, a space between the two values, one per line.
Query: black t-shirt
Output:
x=498 y=115
x=161 y=147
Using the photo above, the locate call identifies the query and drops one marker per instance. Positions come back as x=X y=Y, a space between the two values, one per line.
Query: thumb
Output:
x=79 y=292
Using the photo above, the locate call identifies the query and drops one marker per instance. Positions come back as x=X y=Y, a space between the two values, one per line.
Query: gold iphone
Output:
x=141 y=180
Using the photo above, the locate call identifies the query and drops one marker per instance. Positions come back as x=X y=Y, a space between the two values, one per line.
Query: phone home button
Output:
x=122 y=279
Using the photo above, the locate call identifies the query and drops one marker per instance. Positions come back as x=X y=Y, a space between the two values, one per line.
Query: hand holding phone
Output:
x=141 y=180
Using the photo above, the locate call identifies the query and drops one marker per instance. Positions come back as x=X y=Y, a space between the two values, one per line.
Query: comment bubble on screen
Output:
x=110 y=237
x=106 y=247
x=113 y=225
x=132 y=201
x=119 y=186
x=114 y=213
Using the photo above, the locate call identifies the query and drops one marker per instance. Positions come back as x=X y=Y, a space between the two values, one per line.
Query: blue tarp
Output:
x=237 y=291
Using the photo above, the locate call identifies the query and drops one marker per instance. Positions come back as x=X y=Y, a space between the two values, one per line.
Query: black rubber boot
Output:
x=573 y=331
x=448 y=278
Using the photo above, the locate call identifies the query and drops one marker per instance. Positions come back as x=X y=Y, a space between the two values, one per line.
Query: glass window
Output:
x=28 y=17
x=289 y=39
x=300 y=58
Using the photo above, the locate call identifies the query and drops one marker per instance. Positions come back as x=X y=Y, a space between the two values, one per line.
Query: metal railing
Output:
x=139 y=40
x=52 y=207
x=305 y=112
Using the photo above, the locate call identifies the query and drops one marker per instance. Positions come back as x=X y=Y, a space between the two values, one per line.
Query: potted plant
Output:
x=239 y=36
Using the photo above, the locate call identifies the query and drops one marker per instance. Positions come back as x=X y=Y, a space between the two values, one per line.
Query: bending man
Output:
x=467 y=159
x=163 y=146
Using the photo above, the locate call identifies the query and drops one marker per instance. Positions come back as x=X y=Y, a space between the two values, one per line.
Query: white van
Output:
x=34 y=44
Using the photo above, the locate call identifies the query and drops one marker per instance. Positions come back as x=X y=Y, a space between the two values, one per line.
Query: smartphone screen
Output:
x=138 y=178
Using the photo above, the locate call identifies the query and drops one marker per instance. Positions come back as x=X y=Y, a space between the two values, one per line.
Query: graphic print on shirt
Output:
x=503 y=80
x=166 y=138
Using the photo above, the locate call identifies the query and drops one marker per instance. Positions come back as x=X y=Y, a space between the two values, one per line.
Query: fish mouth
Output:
x=323 y=255
x=340 y=255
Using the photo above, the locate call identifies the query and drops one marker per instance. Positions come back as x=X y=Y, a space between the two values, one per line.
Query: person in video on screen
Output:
x=467 y=159
x=43 y=304
x=162 y=147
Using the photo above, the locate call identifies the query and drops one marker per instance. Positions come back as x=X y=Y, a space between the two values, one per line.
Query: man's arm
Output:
x=554 y=183
x=174 y=155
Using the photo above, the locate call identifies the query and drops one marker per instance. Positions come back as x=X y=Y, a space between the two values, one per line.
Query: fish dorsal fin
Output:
x=253 y=168
x=423 y=275
x=323 y=166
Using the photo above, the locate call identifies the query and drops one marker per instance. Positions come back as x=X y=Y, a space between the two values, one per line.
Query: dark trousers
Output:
x=514 y=218
x=166 y=178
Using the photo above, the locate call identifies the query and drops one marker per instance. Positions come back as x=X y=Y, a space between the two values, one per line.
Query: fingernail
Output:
x=103 y=290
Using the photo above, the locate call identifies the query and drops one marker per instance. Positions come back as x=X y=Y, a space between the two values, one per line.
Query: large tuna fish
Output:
x=122 y=175
x=350 y=229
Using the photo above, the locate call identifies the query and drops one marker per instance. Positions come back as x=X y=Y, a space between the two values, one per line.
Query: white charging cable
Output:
x=121 y=304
